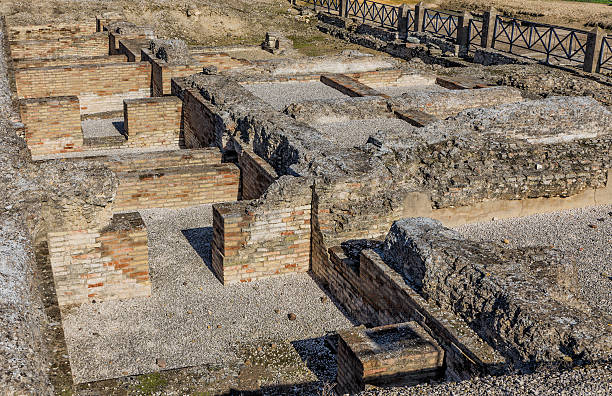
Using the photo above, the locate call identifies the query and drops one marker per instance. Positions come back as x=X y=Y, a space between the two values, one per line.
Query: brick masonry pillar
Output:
x=593 y=49
x=463 y=33
x=402 y=21
x=488 y=28
x=419 y=16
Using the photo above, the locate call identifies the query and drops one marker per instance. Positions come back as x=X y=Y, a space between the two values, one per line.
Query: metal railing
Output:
x=605 y=54
x=440 y=22
x=475 y=32
x=410 y=20
x=329 y=5
x=545 y=43
x=552 y=41
x=383 y=14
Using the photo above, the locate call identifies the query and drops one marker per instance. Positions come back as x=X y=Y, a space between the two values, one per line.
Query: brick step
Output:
x=462 y=83
x=415 y=117
x=392 y=355
x=349 y=86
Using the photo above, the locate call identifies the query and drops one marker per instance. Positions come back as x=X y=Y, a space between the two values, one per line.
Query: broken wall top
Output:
x=522 y=301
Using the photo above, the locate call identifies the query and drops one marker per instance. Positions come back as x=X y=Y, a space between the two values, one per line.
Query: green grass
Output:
x=150 y=384
x=592 y=1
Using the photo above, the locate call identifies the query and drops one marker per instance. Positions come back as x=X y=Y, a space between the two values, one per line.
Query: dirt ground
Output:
x=217 y=22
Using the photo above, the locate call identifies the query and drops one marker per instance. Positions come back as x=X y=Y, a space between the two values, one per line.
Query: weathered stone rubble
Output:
x=537 y=80
x=448 y=103
x=590 y=380
x=173 y=51
x=521 y=301
x=512 y=151
x=124 y=27
x=340 y=109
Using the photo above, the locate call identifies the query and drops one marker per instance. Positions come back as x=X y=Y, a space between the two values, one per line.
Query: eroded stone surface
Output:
x=523 y=301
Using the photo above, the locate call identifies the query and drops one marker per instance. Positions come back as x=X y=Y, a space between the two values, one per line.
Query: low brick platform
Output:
x=349 y=86
x=461 y=83
x=107 y=264
x=392 y=355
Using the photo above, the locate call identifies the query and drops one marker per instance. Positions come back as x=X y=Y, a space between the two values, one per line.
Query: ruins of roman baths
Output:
x=420 y=215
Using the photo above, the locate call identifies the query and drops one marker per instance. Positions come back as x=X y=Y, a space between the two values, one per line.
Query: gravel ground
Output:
x=593 y=380
x=398 y=90
x=103 y=127
x=281 y=94
x=191 y=318
x=585 y=232
x=350 y=133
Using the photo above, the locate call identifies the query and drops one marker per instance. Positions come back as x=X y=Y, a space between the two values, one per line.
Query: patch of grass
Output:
x=151 y=383
x=591 y=1
x=315 y=45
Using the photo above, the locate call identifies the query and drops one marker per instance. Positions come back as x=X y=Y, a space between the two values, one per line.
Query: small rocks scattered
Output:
x=291 y=316
x=161 y=363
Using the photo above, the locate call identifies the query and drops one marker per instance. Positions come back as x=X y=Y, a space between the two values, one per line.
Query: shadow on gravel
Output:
x=200 y=240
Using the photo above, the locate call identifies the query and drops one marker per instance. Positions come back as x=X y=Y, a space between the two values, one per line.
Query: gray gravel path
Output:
x=350 y=133
x=191 y=318
x=592 y=381
x=398 y=90
x=585 y=232
x=281 y=94
x=103 y=127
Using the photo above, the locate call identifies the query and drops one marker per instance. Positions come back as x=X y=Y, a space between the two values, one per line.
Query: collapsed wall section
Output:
x=521 y=301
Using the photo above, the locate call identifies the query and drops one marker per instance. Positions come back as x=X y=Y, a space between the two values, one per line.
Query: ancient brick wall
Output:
x=100 y=87
x=177 y=187
x=256 y=175
x=95 y=44
x=198 y=120
x=398 y=354
x=65 y=61
x=52 y=125
x=50 y=31
x=376 y=295
x=252 y=242
x=152 y=122
x=100 y=265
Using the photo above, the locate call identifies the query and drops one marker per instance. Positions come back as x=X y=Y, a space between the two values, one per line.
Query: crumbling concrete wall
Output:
x=449 y=103
x=521 y=301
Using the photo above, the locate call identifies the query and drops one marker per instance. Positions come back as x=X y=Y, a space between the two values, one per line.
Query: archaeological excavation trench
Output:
x=170 y=206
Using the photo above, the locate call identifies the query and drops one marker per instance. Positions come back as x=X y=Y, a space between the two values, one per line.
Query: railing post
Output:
x=463 y=32
x=402 y=21
x=593 y=48
x=419 y=16
x=342 y=8
x=488 y=28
